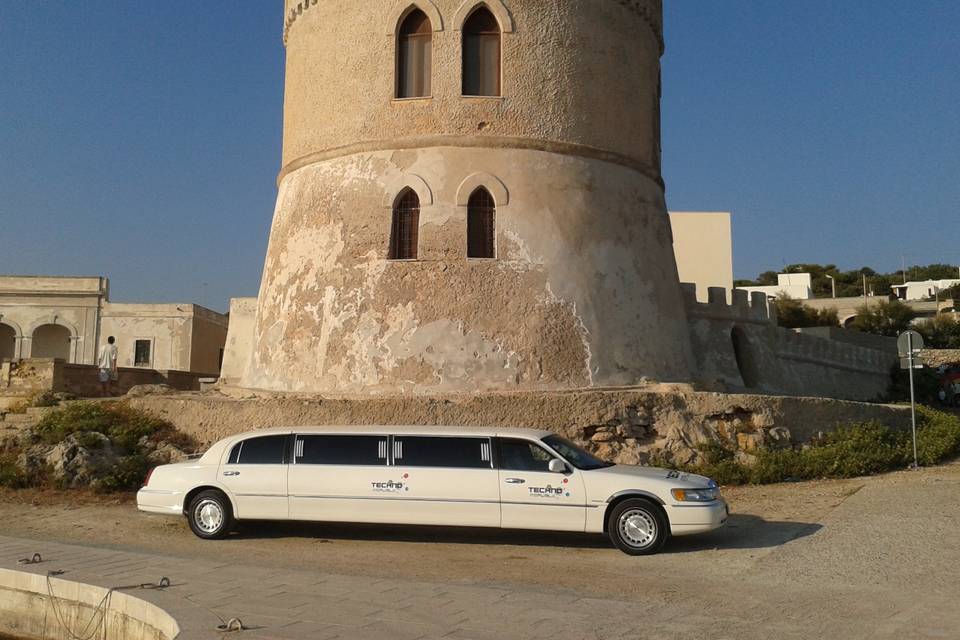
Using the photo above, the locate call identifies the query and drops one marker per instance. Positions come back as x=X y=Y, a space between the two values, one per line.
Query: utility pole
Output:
x=864 y=286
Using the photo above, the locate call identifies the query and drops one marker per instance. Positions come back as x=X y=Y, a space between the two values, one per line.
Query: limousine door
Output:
x=256 y=475
x=333 y=478
x=533 y=497
x=443 y=480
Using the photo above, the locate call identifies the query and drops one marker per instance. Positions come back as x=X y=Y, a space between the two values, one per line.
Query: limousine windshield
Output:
x=575 y=455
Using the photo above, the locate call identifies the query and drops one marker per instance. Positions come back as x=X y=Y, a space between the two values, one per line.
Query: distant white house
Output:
x=795 y=285
x=918 y=290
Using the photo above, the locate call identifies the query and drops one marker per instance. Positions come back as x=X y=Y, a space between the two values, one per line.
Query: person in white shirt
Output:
x=107 y=363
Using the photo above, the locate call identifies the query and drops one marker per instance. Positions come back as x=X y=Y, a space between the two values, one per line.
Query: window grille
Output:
x=404 y=230
x=481 y=225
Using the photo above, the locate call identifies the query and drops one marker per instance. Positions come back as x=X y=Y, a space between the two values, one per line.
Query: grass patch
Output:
x=852 y=450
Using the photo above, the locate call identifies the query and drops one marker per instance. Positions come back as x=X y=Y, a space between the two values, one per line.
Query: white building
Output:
x=794 y=285
x=70 y=317
x=703 y=248
x=923 y=289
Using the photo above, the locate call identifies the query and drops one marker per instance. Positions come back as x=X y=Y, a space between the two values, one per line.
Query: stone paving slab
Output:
x=288 y=605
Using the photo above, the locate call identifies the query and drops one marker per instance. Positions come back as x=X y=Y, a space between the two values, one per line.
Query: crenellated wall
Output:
x=739 y=346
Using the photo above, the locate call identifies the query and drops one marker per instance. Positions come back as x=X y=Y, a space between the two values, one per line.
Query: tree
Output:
x=792 y=313
x=887 y=318
x=941 y=332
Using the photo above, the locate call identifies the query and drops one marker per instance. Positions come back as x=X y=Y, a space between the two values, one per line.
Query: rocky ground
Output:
x=863 y=558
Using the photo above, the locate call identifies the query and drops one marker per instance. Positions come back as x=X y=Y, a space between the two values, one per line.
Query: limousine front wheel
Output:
x=210 y=515
x=638 y=527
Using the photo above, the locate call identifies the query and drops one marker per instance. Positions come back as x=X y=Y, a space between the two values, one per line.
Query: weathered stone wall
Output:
x=625 y=425
x=583 y=290
x=739 y=347
x=32 y=376
x=239 y=344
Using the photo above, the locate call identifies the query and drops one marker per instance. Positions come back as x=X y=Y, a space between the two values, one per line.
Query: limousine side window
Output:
x=523 y=455
x=425 y=451
x=262 y=450
x=346 y=450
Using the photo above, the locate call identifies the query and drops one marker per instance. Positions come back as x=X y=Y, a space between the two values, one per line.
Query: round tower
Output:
x=470 y=199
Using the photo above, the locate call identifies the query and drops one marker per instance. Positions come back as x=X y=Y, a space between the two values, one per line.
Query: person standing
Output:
x=107 y=363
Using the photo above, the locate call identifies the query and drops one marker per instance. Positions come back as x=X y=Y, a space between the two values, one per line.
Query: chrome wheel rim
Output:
x=208 y=516
x=638 y=528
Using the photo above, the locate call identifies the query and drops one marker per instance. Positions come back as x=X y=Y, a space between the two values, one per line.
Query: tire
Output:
x=638 y=527
x=210 y=515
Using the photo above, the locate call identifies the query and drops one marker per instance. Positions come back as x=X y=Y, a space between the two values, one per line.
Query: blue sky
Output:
x=141 y=140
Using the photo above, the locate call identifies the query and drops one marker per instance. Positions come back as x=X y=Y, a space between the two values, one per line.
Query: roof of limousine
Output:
x=403 y=430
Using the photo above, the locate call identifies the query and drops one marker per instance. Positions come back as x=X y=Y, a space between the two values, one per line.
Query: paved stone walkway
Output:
x=293 y=604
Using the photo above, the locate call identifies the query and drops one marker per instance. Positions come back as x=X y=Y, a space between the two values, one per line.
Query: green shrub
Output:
x=121 y=423
x=127 y=475
x=852 y=450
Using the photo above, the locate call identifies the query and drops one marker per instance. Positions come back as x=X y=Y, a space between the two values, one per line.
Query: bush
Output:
x=122 y=424
x=886 y=318
x=852 y=450
x=133 y=436
x=793 y=314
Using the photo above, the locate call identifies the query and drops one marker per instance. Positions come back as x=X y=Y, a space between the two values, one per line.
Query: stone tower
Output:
x=470 y=200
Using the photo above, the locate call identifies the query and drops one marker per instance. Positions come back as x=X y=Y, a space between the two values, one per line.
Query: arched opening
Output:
x=746 y=363
x=414 y=55
x=8 y=342
x=481 y=54
x=404 y=229
x=51 y=341
x=481 y=225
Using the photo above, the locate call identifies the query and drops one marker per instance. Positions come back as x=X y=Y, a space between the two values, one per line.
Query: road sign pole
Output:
x=913 y=403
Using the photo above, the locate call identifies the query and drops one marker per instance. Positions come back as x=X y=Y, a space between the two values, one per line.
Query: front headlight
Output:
x=708 y=494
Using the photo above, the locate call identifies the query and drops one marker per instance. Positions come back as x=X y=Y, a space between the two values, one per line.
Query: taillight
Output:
x=146 y=480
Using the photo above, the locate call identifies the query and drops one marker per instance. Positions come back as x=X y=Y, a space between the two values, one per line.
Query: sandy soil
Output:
x=868 y=557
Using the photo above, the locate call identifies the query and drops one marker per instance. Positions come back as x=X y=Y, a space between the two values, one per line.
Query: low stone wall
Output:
x=739 y=347
x=35 y=375
x=28 y=610
x=631 y=425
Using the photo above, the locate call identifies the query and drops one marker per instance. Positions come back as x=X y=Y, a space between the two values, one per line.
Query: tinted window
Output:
x=263 y=450
x=357 y=450
x=521 y=455
x=574 y=454
x=418 y=451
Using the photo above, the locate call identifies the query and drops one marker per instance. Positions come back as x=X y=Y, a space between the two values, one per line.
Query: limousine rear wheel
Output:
x=210 y=515
x=638 y=527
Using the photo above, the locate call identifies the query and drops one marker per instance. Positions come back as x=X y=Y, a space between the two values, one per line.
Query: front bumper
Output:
x=697 y=517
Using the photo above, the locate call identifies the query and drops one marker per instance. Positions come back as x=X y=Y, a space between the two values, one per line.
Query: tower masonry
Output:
x=470 y=199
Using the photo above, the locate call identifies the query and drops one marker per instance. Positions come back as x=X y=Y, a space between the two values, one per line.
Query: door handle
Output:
x=514 y=480
x=231 y=473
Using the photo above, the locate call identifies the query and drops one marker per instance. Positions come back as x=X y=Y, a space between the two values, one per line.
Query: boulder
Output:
x=141 y=390
x=81 y=459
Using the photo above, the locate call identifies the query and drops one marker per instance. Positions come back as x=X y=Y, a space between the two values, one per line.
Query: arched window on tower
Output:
x=405 y=226
x=481 y=54
x=414 y=55
x=481 y=225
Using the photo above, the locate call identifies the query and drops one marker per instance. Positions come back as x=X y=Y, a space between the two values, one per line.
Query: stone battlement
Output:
x=746 y=307
x=797 y=347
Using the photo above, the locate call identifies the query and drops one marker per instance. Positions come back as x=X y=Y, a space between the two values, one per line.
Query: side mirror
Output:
x=557 y=466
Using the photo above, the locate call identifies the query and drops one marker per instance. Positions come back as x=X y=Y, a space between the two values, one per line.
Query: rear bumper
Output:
x=697 y=518
x=166 y=502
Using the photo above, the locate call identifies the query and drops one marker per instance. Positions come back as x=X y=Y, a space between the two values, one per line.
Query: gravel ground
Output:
x=862 y=558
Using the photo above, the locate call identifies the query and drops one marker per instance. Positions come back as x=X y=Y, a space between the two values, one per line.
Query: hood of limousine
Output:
x=676 y=479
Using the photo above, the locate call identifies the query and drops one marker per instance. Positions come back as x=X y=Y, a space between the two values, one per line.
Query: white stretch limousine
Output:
x=510 y=478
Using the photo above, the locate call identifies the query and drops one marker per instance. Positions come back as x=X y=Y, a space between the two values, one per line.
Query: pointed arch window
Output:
x=481 y=225
x=414 y=55
x=404 y=231
x=481 y=54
